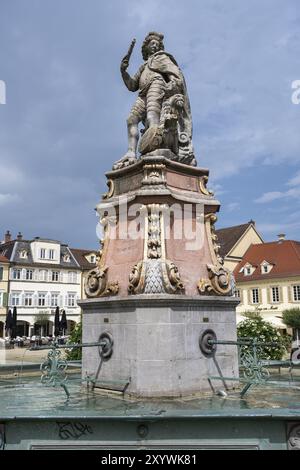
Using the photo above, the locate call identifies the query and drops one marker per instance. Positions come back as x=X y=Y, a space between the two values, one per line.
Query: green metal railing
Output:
x=54 y=368
x=254 y=369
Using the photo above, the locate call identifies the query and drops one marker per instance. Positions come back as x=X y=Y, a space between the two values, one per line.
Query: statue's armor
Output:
x=151 y=86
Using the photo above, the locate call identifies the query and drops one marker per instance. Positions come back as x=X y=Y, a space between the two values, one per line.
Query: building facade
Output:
x=4 y=274
x=43 y=275
x=268 y=280
x=234 y=242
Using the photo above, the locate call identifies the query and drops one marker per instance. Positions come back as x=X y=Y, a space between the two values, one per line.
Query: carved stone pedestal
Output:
x=159 y=281
x=156 y=343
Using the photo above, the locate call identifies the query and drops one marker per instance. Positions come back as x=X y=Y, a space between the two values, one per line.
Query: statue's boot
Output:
x=128 y=159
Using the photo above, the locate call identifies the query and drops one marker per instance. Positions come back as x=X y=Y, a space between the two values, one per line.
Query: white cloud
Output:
x=295 y=180
x=275 y=228
x=269 y=197
x=233 y=206
x=273 y=195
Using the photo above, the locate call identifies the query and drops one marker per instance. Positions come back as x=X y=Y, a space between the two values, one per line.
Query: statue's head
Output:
x=153 y=43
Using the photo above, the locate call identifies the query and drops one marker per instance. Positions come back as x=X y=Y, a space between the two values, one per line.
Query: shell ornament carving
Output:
x=171 y=277
x=96 y=284
x=220 y=281
x=137 y=279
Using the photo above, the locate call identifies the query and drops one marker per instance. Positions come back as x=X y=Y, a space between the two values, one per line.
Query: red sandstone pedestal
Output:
x=160 y=280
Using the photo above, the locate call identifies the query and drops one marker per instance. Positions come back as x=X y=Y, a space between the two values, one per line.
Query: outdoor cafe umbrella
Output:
x=8 y=322
x=14 y=323
x=63 y=322
x=56 y=322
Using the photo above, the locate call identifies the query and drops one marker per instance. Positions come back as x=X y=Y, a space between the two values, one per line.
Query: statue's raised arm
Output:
x=162 y=106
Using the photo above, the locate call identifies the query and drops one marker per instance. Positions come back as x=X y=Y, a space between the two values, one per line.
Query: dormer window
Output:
x=23 y=254
x=265 y=267
x=66 y=258
x=93 y=259
x=43 y=253
x=248 y=270
x=51 y=254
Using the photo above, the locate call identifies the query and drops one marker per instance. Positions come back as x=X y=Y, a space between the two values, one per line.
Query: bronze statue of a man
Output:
x=162 y=105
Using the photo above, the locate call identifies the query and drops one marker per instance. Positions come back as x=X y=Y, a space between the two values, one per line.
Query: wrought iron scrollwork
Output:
x=54 y=370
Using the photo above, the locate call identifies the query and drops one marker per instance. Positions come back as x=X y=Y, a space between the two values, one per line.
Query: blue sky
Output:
x=64 y=121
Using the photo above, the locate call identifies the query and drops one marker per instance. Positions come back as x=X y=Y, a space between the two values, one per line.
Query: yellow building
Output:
x=268 y=280
x=4 y=271
x=235 y=241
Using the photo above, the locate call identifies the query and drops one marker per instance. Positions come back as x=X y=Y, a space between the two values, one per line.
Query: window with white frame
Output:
x=17 y=274
x=255 y=296
x=55 y=276
x=247 y=271
x=237 y=293
x=93 y=259
x=265 y=269
x=43 y=275
x=15 y=299
x=51 y=254
x=54 y=299
x=28 y=299
x=1 y=273
x=296 y=292
x=71 y=299
x=275 y=294
x=29 y=274
x=23 y=254
x=72 y=277
x=43 y=253
x=1 y=298
x=41 y=299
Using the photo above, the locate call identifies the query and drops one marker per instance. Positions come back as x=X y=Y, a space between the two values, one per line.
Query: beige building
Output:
x=4 y=275
x=268 y=280
x=235 y=241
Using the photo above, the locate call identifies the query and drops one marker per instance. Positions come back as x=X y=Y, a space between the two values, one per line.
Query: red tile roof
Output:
x=284 y=256
x=3 y=259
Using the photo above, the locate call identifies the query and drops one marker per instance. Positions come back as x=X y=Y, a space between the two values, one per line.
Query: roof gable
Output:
x=229 y=237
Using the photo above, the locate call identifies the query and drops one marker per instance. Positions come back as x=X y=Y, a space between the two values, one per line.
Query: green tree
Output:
x=291 y=318
x=75 y=337
x=255 y=327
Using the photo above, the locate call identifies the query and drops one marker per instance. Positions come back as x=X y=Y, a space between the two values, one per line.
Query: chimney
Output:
x=281 y=237
x=7 y=237
x=19 y=236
